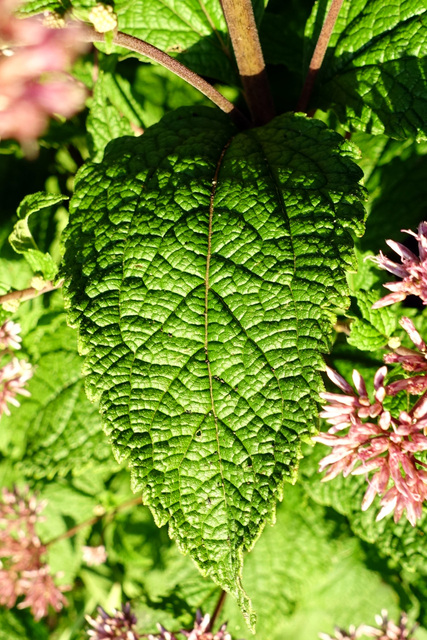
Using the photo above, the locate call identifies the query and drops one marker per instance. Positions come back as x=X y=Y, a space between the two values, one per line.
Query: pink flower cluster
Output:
x=121 y=624
x=201 y=631
x=386 y=630
x=23 y=571
x=364 y=436
x=412 y=270
x=378 y=444
x=14 y=374
x=34 y=83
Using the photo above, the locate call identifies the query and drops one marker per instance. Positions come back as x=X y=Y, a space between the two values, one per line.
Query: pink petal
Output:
x=402 y=251
x=410 y=329
x=389 y=299
x=339 y=381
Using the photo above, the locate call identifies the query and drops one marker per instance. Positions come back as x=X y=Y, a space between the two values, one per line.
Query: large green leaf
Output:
x=202 y=266
x=375 y=68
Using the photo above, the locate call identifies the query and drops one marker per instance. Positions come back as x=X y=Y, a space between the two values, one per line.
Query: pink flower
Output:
x=13 y=378
x=341 y=408
x=412 y=270
x=41 y=592
x=9 y=338
x=200 y=631
x=34 y=84
x=121 y=624
x=23 y=571
x=94 y=555
x=385 y=448
x=387 y=630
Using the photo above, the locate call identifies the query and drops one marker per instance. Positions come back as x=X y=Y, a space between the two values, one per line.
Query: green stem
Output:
x=144 y=48
x=91 y=521
x=244 y=36
x=28 y=294
x=318 y=54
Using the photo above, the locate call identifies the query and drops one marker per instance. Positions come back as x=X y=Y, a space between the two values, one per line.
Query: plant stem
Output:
x=319 y=54
x=148 y=50
x=218 y=608
x=244 y=36
x=28 y=294
x=91 y=521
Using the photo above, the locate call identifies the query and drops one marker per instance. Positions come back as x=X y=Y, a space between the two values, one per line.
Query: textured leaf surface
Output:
x=57 y=429
x=397 y=192
x=106 y=121
x=374 y=72
x=201 y=269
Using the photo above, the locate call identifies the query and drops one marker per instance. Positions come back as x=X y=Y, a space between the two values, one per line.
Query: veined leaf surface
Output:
x=374 y=72
x=202 y=267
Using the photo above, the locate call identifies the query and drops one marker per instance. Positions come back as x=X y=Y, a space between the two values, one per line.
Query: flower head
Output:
x=34 y=83
x=93 y=556
x=13 y=378
x=201 y=631
x=412 y=269
x=23 y=571
x=9 y=335
x=103 y=18
x=120 y=624
x=386 y=630
x=386 y=447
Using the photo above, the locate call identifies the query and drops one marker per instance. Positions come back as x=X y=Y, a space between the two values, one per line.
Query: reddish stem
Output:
x=319 y=54
x=244 y=36
x=148 y=50
x=218 y=608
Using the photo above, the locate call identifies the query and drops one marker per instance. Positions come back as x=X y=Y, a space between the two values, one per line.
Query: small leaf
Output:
x=203 y=289
x=373 y=330
x=21 y=238
x=373 y=74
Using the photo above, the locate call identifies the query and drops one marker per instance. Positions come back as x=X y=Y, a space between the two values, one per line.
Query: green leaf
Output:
x=374 y=329
x=397 y=193
x=21 y=238
x=373 y=74
x=57 y=429
x=204 y=309
x=105 y=122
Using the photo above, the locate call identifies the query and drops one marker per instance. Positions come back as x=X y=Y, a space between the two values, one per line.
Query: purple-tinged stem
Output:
x=218 y=608
x=144 y=48
x=319 y=54
x=244 y=36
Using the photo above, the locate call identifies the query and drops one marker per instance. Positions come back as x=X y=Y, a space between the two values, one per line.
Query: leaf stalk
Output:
x=244 y=36
x=27 y=294
x=319 y=54
x=148 y=50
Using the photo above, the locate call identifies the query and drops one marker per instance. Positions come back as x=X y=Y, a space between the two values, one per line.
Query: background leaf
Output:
x=373 y=74
x=21 y=238
x=57 y=429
